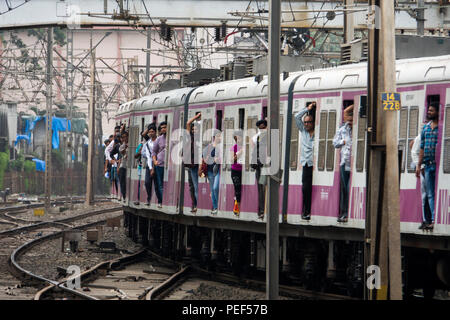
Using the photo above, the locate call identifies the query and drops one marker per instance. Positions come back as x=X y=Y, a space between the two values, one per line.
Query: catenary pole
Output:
x=272 y=226
x=48 y=123
x=382 y=233
x=392 y=185
x=89 y=173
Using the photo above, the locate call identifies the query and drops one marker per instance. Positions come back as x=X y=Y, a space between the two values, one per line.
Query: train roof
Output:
x=409 y=71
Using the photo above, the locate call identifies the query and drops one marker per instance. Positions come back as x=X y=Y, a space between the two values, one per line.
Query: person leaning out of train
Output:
x=111 y=153
x=212 y=157
x=305 y=122
x=259 y=153
x=123 y=164
x=427 y=156
x=343 y=140
x=138 y=157
x=236 y=152
x=193 y=165
x=415 y=152
x=159 y=157
x=107 y=167
x=150 y=136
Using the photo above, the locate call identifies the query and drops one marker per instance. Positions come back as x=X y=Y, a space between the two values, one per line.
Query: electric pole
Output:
x=48 y=121
x=349 y=22
x=382 y=234
x=272 y=227
x=92 y=142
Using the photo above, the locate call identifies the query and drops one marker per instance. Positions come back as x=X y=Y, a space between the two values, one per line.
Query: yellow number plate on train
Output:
x=390 y=101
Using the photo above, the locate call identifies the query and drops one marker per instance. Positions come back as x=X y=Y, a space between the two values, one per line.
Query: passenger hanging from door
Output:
x=306 y=126
x=343 y=140
x=259 y=156
x=212 y=156
x=193 y=166
x=236 y=170
x=159 y=156
x=427 y=156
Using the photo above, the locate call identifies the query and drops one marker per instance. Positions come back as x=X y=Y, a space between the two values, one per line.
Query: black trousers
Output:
x=236 y=176
x=123 y=181
x=148 y=184
x=307 y=178
x=261 y=192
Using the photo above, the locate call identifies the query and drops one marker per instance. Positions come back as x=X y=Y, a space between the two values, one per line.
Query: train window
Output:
x=167 y=142
x=413 y=131
x=331 y=132
x=322 y=140
x=402 y=135
x=361 y=144
x=219 y=116
x=133 y=141
x=241 y=118
x=432 y=98
x=228 y=141
x=264 y=112
x=142 y=124
x=447 y=140
x=251 y=124
x=294 y=145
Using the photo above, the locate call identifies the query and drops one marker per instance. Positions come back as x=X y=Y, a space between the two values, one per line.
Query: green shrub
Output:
x=4 y=159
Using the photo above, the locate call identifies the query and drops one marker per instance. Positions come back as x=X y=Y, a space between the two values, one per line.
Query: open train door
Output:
x=358 y=178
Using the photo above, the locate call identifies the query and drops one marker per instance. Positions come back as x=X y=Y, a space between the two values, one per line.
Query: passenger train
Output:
x=321 y=248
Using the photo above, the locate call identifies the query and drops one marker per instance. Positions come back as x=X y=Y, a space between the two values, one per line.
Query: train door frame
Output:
x=443 y=197
x=358 y=181
x=442 y=194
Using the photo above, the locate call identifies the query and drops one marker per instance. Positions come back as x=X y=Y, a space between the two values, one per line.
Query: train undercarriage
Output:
x=319 y=264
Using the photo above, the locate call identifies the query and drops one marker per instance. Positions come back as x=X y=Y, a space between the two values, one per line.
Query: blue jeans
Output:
x=214 y=181
x=159 y=188
x=194 y=176
x=430 y=174
x=148 y=184
x=115 y=179
x=345 y=188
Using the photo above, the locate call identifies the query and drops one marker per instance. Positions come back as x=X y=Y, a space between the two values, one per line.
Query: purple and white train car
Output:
x=239 y=104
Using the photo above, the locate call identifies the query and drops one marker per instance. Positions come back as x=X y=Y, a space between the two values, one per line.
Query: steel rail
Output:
x=167 y=285
x=57 y=223
x=84 y=276
x=26 y=274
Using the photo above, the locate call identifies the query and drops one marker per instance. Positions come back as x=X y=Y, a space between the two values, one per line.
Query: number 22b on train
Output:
x=390 y=101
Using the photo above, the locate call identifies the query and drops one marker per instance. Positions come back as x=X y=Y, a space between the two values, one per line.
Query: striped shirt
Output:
x=428 y=142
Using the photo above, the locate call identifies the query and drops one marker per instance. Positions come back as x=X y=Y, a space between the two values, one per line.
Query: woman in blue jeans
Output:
x=211 y=155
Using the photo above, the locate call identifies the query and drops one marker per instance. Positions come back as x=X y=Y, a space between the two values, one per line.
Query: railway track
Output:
x=30 y=234
x=132 y=277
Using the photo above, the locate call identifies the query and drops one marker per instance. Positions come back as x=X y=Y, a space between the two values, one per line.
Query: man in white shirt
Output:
x=150 y=133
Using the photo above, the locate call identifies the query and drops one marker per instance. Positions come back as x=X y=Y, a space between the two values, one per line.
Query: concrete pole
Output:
x=91 y=151
x=272 y=227
x=48 y=123
x=391 y=190
x=421 y=18
x=382 y=233
x=147 y=65
x=349 y=22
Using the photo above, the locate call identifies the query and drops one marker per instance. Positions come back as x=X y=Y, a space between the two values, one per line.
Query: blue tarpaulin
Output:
x=22 y=137
x=40 y=165
x=58 y=124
